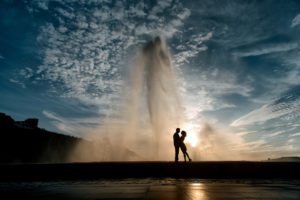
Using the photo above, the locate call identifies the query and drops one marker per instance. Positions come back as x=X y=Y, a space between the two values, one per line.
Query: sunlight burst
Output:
x=192 y=139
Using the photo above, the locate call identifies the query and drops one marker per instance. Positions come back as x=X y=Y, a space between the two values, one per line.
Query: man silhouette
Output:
x=176 y=140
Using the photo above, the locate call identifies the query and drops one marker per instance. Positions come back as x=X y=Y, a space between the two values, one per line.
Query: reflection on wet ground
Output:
x=153 y=189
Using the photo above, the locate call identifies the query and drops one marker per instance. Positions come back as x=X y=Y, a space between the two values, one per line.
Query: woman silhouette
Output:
x=183 y=147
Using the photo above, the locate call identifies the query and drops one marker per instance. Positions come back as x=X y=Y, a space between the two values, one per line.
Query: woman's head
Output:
x=183 y=133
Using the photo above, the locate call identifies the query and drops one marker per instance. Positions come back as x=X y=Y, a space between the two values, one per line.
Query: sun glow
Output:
x=191 y=130
x=192 y=139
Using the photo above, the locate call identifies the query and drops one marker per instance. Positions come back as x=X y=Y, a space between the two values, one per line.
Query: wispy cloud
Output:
x=203 y=90
x=295 y=21
x=284 y=106
x=17 y=82
x=295 y=134
x=191 y=48
x=74 y=126
x=266 y=49
x=254 y=145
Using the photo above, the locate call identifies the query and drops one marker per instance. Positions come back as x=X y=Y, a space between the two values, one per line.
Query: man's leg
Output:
x=176 y=153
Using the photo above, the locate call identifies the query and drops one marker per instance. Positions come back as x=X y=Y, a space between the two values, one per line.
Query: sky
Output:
x=237 y=65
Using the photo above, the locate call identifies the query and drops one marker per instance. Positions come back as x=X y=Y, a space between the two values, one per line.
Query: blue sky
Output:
x=237 y=64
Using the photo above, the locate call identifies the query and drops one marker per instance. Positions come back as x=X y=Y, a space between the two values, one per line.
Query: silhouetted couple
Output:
x=179 y=143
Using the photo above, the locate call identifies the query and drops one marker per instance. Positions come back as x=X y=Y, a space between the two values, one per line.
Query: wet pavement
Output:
x=166 y=189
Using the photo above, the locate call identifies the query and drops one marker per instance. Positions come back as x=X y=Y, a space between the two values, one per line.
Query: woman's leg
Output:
x=188 y=156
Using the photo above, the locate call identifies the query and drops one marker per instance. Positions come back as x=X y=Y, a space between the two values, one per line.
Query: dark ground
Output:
x=88 y=171
x=151 y=180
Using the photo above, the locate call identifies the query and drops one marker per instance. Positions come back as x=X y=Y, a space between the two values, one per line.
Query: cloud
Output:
x=52 y=116
x=286 y=105
x=84 y=54
x=42 y=4
x=1 y=57
x=207 y=97
x=295 y=21
x=259 y=115
x=184 y=14
x=266 y=49
x=72 y=125
x=191 y=48
x=204 y=89
x=26 y=72
x=65 y=13
x=251 y=146
x=295 y=134
x=17 y=82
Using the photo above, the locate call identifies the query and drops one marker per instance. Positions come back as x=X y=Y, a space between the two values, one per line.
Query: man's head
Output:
x=177 y=130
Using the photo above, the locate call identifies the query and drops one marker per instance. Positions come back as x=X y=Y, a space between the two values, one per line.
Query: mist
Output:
x=154 y=105
x=143 y=126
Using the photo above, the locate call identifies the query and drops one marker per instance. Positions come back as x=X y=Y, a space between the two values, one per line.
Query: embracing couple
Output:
x=178 y=143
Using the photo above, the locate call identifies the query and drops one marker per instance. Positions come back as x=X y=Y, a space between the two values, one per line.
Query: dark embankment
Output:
x=24 y=142
x=215 y=170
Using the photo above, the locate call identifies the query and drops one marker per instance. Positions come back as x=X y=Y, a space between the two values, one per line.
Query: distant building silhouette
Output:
x=25 y=142
x=6 y=120
x=28 y=123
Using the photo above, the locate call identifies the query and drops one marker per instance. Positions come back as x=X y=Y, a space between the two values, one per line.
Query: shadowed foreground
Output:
x=151 y=180
x=218 y=170
x=166 y=189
